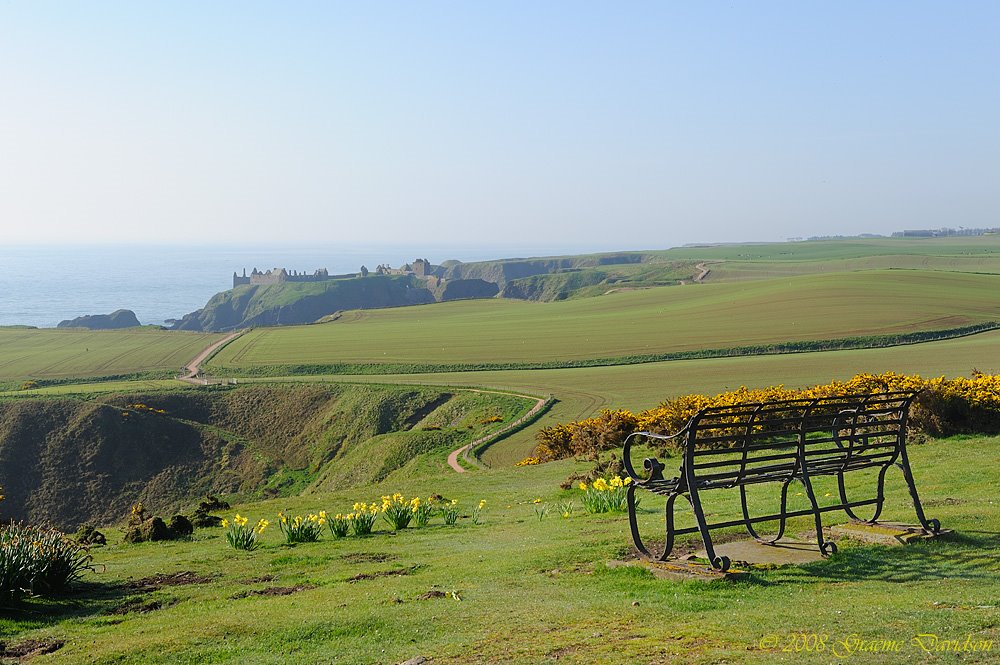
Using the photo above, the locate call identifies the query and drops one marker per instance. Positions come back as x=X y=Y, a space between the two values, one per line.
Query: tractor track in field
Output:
x=194 y=366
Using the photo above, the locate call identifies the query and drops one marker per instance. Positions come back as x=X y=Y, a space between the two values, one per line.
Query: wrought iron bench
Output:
x=778 y=442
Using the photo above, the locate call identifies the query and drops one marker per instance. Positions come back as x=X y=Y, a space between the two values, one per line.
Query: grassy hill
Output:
x=704 y=316
x=67 y=461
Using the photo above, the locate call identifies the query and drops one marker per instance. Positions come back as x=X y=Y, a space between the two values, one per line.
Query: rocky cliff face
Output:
x=290 y=303
x=122 y=318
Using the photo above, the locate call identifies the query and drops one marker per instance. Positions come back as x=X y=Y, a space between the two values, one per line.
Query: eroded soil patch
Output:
x=368 y=557
x=29 y=648
x=154 y=582
x=273 y=591
x=383 y=573
x=140 y=606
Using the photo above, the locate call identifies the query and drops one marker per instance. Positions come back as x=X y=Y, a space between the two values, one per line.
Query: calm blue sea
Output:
x=43 y=285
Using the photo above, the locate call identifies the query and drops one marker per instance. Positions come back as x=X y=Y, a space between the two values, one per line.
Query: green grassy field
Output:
x=27 y=353
x=819 y=307
x=585 y=390
x=839 y=248
x=516 y=589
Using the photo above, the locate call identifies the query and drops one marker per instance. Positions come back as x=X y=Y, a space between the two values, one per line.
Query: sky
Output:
x=587 y=124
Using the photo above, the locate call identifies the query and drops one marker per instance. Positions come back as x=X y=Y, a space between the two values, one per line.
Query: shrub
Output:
x=943 y=407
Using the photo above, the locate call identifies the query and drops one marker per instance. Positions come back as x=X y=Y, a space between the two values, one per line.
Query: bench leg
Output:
x=930 y=526
x=825 y=547
x=720 y=563
x=668 y=517
x=880 y=497
x=781 y=524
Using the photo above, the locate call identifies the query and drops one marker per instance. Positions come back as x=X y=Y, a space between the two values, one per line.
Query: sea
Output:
x=41 y=285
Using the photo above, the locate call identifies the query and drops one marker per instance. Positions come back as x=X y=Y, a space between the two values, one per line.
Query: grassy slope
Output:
x=62 y=353
x=535 y=592
x=638 y=322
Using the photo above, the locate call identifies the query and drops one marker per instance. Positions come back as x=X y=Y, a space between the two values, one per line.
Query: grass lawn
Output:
x=516 y=589
x=666 y=319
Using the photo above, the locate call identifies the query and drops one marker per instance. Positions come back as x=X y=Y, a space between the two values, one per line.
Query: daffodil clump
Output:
x=423 y=511
x=363 y=518
x=37 y=560
x=300 y=529
x=541 y=509
x=241 y=536
x=449 y=512
x=603 y=496
x=339 y=525
x=478 y=511
x=566 y=509
x=398 y=511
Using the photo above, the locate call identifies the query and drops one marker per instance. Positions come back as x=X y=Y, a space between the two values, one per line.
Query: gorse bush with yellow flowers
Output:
x=603 y=496
x=241 y=536
x=943 y=407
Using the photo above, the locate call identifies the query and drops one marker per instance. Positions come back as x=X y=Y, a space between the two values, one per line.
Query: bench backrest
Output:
x=759 y=442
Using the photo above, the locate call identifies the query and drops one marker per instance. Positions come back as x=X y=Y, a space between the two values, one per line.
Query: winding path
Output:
x=704 y=270
x=194 y=366
x=453 y=457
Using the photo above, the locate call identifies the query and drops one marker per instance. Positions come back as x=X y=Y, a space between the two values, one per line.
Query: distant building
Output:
x=419 y=268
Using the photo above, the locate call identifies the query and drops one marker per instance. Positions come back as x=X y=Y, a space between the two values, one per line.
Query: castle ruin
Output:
x=419 y=268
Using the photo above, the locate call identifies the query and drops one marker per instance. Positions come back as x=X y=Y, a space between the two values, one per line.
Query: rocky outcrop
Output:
x=121 y=318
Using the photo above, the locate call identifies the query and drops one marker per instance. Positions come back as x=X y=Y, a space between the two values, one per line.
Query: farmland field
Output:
x=658 y=320
x=583 y=391
x=28 y=353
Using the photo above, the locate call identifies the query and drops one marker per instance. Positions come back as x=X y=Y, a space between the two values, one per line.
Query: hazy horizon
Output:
x=647 y=125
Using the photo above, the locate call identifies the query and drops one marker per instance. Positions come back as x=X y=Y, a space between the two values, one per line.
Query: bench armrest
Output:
x=653 y=467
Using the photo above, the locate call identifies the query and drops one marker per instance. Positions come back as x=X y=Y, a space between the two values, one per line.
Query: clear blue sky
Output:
x=609 y=125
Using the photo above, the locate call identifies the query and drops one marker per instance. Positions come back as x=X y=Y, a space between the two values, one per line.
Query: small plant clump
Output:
x=397 y=511
x=339 y=525
x=38 y=560
x=302 y=529
x=449 y=512
x=241 y=536
x=363 y=518
x=602 y=496
x=477 y=512
x=541 y=509
x=422 y=511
